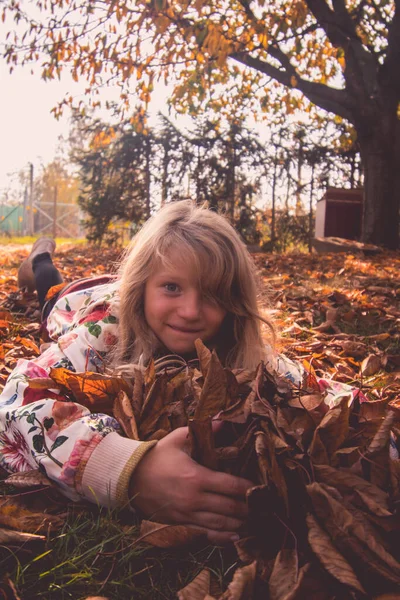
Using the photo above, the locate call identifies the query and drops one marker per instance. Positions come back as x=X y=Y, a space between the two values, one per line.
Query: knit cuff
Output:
x=109 y=469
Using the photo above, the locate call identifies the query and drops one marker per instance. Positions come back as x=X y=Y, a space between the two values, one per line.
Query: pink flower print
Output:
x=323 y=385
x=31 y=395
x=32 y=370
x=66 y=340
x=49 y=358
x=71 y=466
x=96 y=315
x=65 y=413
x=66 y=316
x=15 y=450
x=110 y=339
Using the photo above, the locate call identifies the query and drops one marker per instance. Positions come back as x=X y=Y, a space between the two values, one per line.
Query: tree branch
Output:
x=330 y=99
x=361 y=65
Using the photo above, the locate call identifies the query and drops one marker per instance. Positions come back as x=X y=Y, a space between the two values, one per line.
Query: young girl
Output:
x=186 y=275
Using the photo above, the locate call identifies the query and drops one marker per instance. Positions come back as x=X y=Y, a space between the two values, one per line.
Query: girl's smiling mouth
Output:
x=184 y=329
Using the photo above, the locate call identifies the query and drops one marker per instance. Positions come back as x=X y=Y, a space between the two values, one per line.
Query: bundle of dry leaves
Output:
x=323 y=514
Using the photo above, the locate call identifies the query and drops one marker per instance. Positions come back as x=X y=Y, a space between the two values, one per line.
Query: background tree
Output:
x=342 y=56
x=115 y=178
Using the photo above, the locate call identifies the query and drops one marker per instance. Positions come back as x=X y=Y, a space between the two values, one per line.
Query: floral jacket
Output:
x=83 y=452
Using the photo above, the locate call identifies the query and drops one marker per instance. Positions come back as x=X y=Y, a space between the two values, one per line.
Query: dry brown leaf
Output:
x=247 y=549
x=376 y=409
x=15 y=517
x=149 y=376
x=213 y=395
x=168 y=536
x=330 y=322
x=123 y=412
x=355 y=349
x=308 y=402
x=204 y=356
x=284 y=575
x=9 y=537
x=375 y=462
x=138 y=390
x=202 y=448
x=198 y=588
x=29 y=479
x=329 y=556
x=8 y=590
x=347 y=482
x=242 y=584
x=42 y=383
x=29 y=345
x=330 y=433
x=269 y=469
x=94 y=390
x=382 y=436
x=352 y=539
x=370 y=365
x=154 y=413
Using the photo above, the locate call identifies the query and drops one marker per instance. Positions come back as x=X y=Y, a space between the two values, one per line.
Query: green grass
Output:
x=21 y=240
x=95 y=554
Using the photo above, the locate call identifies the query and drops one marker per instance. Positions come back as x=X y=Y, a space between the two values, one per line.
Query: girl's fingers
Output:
x=221 y=538
x=223 y=505
x=225 y=484
x=215 y=521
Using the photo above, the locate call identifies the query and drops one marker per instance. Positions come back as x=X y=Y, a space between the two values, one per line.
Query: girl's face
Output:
x=176 y=310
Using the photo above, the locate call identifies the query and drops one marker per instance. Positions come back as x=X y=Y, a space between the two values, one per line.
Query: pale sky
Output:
x=29 y=132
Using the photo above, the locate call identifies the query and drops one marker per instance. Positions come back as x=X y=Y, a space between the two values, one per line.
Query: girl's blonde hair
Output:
x=225 y=273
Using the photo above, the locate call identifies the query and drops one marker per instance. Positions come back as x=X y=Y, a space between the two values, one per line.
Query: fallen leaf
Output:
x=330 y=558
x=198 y=588
x=202 y=448
x=29 y=479
x=370 y=365
x=123 y=412
x=8 y=590
x=284 y=575
x=94 y=390
x=347 y=482
x=168 y=536
x=242 y=584
x=10 y=537
x=352 y=539
x=330 y=433
x=15 y=517
x=204 y=356
x=213 y=395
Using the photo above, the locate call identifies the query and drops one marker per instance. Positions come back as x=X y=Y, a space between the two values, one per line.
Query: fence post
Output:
x=31 y=222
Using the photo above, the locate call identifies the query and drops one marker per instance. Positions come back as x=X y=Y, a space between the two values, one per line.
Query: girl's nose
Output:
x=190 y=307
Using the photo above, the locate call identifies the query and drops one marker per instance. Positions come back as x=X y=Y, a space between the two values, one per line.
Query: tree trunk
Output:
x=380 y=151
x=164 y=187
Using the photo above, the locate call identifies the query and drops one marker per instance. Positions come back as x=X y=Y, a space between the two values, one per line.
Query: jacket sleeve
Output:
x=82 y=452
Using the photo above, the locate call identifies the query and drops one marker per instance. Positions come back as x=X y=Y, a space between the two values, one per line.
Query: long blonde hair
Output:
x=225 y=272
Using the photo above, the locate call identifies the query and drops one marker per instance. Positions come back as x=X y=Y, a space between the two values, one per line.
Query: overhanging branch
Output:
x=330 y=99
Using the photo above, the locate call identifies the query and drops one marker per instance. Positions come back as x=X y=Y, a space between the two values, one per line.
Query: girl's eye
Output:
x=171 y=287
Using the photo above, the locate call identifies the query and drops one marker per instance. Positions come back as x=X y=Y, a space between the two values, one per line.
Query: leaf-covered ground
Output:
x=337 y=313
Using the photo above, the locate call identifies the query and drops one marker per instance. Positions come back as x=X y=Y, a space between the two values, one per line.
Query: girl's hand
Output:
x=170 y=487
